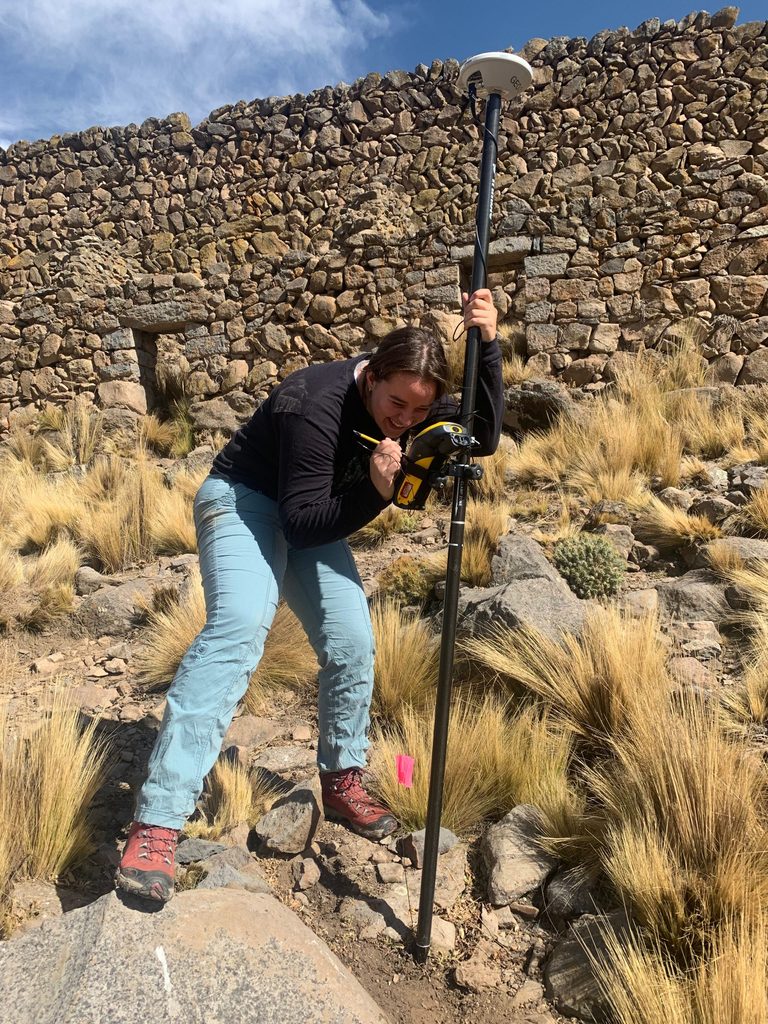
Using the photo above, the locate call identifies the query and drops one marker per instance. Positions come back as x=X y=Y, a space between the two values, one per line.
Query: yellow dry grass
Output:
x=493 y=481
x=405 y=671
x=172 y=529
x=76 y=437
x=685 y=826
x=669 y=528
x=233 y=796
x=752 y=517
x=288 y=660
x=495 y=760
x=158 y=435
x=725 y=985
x=597 y=686
x=48 y=778
x=392 y=520
x=514 y=370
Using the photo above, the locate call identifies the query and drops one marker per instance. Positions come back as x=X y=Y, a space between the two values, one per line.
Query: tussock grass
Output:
x=118 y=531
x=514 y=370
x=409 y=580
x=492 y=483
x=38 y=510
x=158 y=435
x=596 y=687
x=232 y=796
x=726 y=985
x=707 y=430
x=11 y=578
x=605 y=443
x=752 y=517
x=188 y=483
x=48 y=778
x=487 y=522
x=684 y=808
x=495 y=760
x=172 y=530
x=407 y=657
x=723 y=559
x=391 y=521
x=75 y=439
x=288 y=660
x=55 y=566
x=669 y=528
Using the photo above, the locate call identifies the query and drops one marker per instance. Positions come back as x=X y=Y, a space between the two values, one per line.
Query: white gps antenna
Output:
x=502 y=73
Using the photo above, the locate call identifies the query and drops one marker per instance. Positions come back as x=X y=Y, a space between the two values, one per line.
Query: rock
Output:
x=189 y=851
x=535 y=405
x=286 y=759
x=676 y=498
x=715 y=508
x=450 y=877
x=290 y=825
x=219 y=949
x=694 y=596
x=124 y=394
x=516 y=863
x=251 y=731
x=390 y=873
x=116 y=610
x=306 y=873
x=530 y=993
x=697 y=639
x=412 y=845
x=569 y=893
x=373 y=916
x=443 y=937
x=519 y=557
x=748 y=549
x=755 y=369
x=640 y=602
x=621 y=537
x=546 y=605
x=690 y=672
x=215 y=414
x=477 y=974
x=234 y=868
x=569 y=979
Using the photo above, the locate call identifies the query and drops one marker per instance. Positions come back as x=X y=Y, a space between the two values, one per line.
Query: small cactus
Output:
x=591 y=565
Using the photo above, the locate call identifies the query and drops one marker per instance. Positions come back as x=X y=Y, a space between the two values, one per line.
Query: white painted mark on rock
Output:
x=160 y=954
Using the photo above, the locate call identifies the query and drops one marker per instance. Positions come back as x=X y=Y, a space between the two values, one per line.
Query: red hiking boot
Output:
x=147 y=865
x=345 y=799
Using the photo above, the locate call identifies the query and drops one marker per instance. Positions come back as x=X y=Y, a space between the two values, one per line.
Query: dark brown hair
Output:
x=411 y=350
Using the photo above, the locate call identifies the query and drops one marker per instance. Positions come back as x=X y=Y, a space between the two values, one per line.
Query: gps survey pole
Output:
x=497 y=76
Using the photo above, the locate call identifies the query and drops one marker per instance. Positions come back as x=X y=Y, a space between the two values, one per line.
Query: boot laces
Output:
x=351 y=787
x=158 y=842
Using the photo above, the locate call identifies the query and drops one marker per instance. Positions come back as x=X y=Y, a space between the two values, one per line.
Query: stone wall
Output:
x=632 y=192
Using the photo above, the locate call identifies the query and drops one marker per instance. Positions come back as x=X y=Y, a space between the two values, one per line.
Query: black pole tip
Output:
x=420 y=953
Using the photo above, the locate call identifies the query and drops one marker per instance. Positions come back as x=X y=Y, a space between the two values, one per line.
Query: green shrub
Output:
x=591 y=565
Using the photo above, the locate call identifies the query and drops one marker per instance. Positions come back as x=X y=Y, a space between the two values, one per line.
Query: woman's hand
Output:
x=385 y=465
x=479 y=311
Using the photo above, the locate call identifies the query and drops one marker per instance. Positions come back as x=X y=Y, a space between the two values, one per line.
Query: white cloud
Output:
x=68 y=64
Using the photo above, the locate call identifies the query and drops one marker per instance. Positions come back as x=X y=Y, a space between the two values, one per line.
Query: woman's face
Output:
x=398 y=402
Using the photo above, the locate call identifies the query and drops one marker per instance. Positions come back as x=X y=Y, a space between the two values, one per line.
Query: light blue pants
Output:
x=246 y=565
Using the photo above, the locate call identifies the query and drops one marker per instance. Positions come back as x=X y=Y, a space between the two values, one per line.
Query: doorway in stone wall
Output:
x=161 y=370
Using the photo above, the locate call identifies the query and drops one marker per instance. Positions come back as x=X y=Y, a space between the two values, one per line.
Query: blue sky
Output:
x=66 y=65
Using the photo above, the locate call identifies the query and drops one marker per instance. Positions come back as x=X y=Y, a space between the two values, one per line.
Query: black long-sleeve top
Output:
x=299 y=447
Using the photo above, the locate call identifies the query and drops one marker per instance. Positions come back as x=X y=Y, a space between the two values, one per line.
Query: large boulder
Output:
x=532 y=594
x=694 y=596
x=213 y=955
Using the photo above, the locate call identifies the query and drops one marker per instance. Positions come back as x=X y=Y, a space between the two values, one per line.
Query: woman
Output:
x=271 y=521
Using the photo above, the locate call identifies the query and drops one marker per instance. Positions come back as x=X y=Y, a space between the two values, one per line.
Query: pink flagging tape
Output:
x=404 y=770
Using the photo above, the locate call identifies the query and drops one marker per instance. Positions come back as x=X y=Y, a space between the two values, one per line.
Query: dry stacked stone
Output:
x=632 y=193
